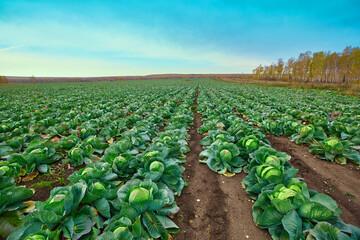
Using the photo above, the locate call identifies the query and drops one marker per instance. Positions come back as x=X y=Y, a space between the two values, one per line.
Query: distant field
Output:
x=192 y=158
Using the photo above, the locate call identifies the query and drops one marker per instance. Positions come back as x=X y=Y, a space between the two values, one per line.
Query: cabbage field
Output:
x=177 y=159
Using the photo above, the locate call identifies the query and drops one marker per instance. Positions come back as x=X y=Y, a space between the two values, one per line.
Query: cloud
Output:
x=9 y=48
x=20 y=64
x=122 y=41
x=43 y=65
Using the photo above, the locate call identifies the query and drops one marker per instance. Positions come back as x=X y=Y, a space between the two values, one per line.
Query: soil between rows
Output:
x=43 y=193
x=213 y=207
x=341 y=182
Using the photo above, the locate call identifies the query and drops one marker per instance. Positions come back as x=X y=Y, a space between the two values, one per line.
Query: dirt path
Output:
x=213 y=207
x=341 y=182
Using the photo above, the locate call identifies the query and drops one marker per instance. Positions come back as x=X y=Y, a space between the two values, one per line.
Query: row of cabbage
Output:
x=328 y=122
x=283 y=203
x=78 y=144
x=127 y=188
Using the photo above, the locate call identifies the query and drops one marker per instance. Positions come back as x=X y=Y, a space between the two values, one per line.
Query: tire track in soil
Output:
x=338 y=181
x=212 y=207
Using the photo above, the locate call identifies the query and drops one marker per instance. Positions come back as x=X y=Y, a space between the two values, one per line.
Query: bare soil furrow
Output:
x=213 y=207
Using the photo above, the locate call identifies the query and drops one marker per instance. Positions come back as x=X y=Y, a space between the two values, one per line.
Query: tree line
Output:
x=315 y=67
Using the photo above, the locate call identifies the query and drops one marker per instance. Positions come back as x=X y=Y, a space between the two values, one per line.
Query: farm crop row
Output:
x=283 y=203
x=329 y=123
x=132 y=173
x=129 y=141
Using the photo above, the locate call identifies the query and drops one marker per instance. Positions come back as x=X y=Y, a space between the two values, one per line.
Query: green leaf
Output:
x=324 y=231
x=82 y=226
x=169 y=209
x=26 y=229
x=283 y=206
x=9 y=221
x=68 y=228
x=136 y=228
x=48 y=218
x=292 y=223
x=103 y=206
x=129 y=211
x=169 y=225
x=19 y=194
x=329 y=156
x=124 y=236
x=327 y=201
x=316 y=211
x=270 y=217
x=353 y=156
x=4 y=149
x=154 y=226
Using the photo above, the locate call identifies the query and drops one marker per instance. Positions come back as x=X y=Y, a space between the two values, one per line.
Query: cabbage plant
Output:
x=118 y=147
x=290 y=127
x=223 y=157
x=180 y=119
x=139 y=137
x=172 y=141
x=98 y=144
x=99 y=192
x=101 y=185
x=124 y=165
x=332 y=149
x=84 y=133
x=79 y=155
x=272 y=127
x=82 y=224
x=267 y=168
x=11 y=146
x=162 y=170
x=10 y=169
x=266 y=176
x=59 y=129
x=240 y=130
x=38 y=155
x=122 y=228
x=250 y=144
x=34 y=231
x=152 y=202
x=308 y=134
x=44 y=235
x=101 y=171
x=289 y=210
x=59 y=212
x=112 y=130
x=325 y=230
x=268 y=155
x=62 y=201
x=11 y=202
x=319 y=122
x=211 y=125
x=69 y=142
x=216 y=136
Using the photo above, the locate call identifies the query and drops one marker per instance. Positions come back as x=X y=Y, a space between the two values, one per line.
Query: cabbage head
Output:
x=148 y=203
x=223 y=157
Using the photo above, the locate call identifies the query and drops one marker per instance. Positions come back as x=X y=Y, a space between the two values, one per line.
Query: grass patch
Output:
x=349 y=195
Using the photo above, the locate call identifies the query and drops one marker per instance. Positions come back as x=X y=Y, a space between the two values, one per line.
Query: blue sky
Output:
x=138 y=37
